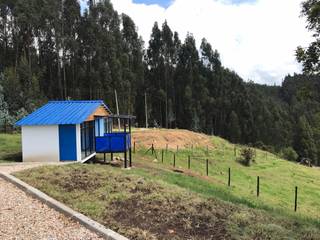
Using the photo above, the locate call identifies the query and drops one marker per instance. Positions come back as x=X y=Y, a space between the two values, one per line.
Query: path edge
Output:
x=87 y=222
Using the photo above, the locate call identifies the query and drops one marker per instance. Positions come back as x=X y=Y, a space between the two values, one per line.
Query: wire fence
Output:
x=204 y=162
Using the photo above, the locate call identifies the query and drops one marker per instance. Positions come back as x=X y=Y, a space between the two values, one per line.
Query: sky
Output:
x=255 y=38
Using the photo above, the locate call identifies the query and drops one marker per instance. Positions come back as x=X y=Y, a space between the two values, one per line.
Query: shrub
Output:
x=247 y=156
x=289 y=153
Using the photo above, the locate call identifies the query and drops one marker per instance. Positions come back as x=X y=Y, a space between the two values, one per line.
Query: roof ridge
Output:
x=75 y=101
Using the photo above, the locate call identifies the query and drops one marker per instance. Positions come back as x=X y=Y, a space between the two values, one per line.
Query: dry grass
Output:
x=144 y=138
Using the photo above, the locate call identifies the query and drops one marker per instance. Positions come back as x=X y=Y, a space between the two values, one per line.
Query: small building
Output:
x=64 y=131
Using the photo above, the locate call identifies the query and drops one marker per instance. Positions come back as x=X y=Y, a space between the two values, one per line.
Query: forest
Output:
x=54 y=50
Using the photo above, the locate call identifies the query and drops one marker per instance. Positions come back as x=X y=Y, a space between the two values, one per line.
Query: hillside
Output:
x=100 y=52
x=155 y=200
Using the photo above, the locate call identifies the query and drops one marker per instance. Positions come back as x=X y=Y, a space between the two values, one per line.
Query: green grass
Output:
x=10 y=148
x=147 y=203
x=278 y=177
x=269 y=216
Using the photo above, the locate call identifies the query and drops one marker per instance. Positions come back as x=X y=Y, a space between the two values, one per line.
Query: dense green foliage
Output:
x=52 y=50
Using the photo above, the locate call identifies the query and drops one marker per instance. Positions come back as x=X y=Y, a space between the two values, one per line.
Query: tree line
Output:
x=52 y=50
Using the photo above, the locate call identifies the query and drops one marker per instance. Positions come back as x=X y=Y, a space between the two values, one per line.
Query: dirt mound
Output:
x=173 y=137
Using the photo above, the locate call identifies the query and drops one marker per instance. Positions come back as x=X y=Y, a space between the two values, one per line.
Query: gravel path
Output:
x=22 y=217
x=25 y=218
x=16 y=167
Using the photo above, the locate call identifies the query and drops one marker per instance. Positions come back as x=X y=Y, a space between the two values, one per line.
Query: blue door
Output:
x=68 y=142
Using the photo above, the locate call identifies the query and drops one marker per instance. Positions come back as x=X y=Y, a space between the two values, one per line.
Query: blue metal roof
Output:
x=62 y=112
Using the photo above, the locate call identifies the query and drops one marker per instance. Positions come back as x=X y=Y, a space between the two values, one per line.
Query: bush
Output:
x=289 y=153
x=247 y=156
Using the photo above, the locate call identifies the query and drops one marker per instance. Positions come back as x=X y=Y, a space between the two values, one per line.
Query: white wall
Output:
x=40 y=143
x=78 y=138
x=99 y=125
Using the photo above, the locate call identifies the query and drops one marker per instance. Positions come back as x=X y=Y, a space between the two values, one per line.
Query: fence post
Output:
x=162 y=155
x=296 y=199
x=174 y=160
x=258 y=186
x=134 y=147
x=152 y=149
x=189 y=162
x=229 y=177
x=207 y=167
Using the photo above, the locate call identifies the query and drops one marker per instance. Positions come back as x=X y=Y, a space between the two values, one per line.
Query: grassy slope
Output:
x=278 y=178
x=10 y=148
x=270 y=216
x=148 y=204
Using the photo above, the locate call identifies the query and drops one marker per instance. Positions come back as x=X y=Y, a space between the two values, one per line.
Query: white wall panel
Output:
x=40 y=143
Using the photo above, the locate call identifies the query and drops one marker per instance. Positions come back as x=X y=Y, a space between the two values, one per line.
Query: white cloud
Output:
x=257 y=40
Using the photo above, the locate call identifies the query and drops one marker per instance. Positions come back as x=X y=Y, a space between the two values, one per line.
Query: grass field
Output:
x=154 y=201
x=10 y=148
x=278 y=177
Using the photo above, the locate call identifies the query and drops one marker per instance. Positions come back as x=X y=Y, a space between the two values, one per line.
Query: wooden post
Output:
x=104 y=157
x=207 y=167
x=174 y=160
x=152 y=149
x=258 y=186
x=177 y=148
x=146 y=108
x=117 y=106
x=130 y=157
x=296 y=199
x=162 y=155
x=229 y=177
x=125 y=146
x=134 y=147
x=189 y=162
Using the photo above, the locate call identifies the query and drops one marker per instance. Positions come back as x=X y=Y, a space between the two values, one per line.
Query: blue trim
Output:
x=68 y=142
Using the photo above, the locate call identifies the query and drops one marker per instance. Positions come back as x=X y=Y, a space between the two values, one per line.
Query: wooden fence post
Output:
x=174 y=160
x=235 y=151
x=152 y=149
x=134 y=147
x=189 y=162
x=229 y=177
x=296 y=199
x=162 y=155
x=258 y=186
x=207 y=167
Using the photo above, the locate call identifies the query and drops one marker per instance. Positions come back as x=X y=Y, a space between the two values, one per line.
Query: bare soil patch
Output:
x=170 y=218
x=173 y=137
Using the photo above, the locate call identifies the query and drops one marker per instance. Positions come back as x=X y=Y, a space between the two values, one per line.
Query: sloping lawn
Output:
x=153 y=203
